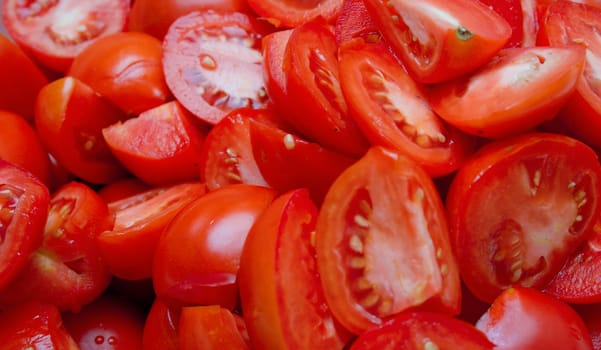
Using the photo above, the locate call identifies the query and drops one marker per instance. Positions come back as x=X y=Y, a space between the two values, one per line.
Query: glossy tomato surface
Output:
x=520 y=208
x=382 y=243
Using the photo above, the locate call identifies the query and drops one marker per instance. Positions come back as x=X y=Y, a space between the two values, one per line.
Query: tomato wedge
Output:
x=393 y=111
x=517 y=90
x=209 y=327
x=213 y=63
x=382 y=243
x=278 y=271
x=440 y=39
x=54 y=32
x=292 y=13
x=520 y=208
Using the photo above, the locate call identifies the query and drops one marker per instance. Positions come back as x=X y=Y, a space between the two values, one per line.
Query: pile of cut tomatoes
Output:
x=329 y=174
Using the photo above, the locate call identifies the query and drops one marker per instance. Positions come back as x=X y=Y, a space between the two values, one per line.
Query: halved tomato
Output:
x=520 y=208
x=438 y=40
x=382 y=243
x=281 y=295
x=213 y=63
x=55 y=31
x=514 y=92
x=393 y=111
x=292 y=13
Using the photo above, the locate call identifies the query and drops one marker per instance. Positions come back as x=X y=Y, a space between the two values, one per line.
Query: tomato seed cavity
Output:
x=9 y=199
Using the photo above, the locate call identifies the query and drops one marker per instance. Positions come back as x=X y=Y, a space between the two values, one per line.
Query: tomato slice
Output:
x=34 y=326
x=273 y=49
x=524 y=318
x=393 y=111
x=21 y=80
x=522 y=15
x=160 y=328
x=417 y=330
x=293 y=13
x=213 y=63
x=161 y=146
x=129 y=247
x=69 y=118
x=354 y=22
x=568 y=23
x=209 y=327
x=520 y=208
x=24 y=202
x=278 y=271
x=314 y=103
x=198 y=255
x=440 y=39
x=382 y=243
x=67 y=270
x=54 y=32
x=126 y=69
x=516 y=91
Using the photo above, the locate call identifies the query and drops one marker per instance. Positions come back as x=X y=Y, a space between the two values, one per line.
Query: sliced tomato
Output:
x=226 y=155
x=21 y=145
x=21 y=80
x=54 y=32
x=393 y=111
x=438 y=40
x=520 y=208
x=354 y=22
x=161 y=146
x=198 y=254
x=417 y=330
x=516 y=91
x=209 y=327
x=273 y=50
x=24 y=202
x=382 y=243
x=160 y=328
x=568 y=23
x=213 y=63
x=155 y=16
x=292 y=13
x=67 y=270
x=314 y=103
x=126 y=69
x=278 y=271
x=129 y=247
x=122 y=188
x=288 y=162
x=522 y=15
x=109 y=322
x=34 y=326
x=69 y=118
x=524 y=318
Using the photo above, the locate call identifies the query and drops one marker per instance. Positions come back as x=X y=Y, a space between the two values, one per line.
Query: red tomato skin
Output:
x=21 y=80
x=314 y=104
x=352 y=211
x=130 y=245
x=524 y=318
x=67 y=270
x=290 y=14
x=198 y=66
x=416 y=330
x=450 y=51
x=493 y=169
x=569 y=23
x=126 y=69
x=108 y=323
x=523 y=18
x=198 y=254
x=367 y=72
x=122 y=188
x=34 y=326
x=38 y=32
x=209 y=328
x=536 y=94
x=161 y=146
x=69 y=117
x=590 y=314
x=160 y=328
x=21 y=145
x=277 y=270
x=155 y=16
x=25 y=202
